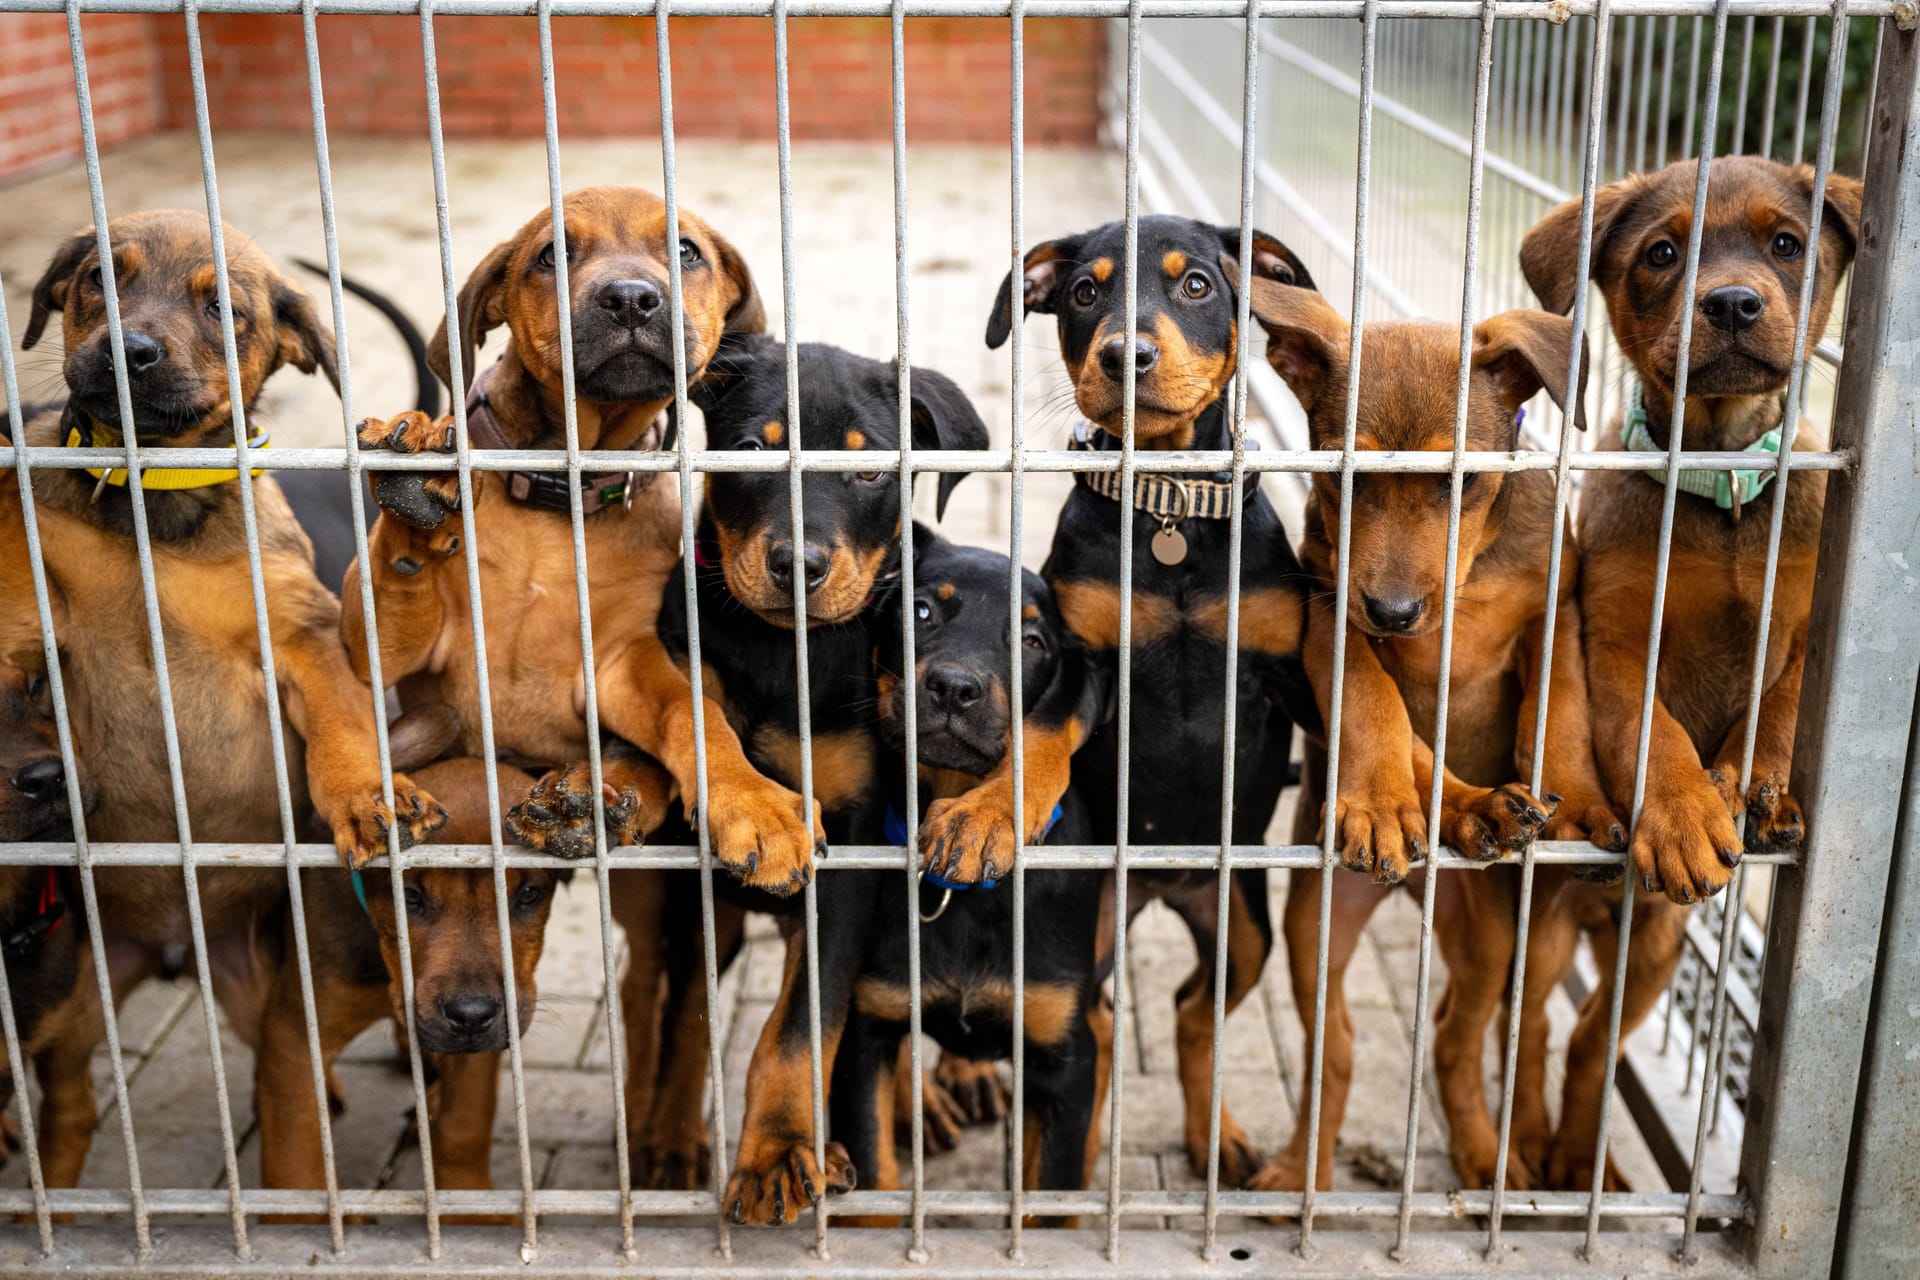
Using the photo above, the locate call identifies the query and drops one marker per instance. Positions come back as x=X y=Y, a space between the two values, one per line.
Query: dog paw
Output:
x=758 y=834
x=1488 y=823
x=969 y=839
x=1474 y=1166
x=1570 y=1169
x=1686 y=845
x=1774 y=820
x=1238 y=1158
x=672 y=1168
x=1379 y=833
x=975 y=1087
x=1588 y=818
x=424 y=499
x=360 y=828
x=557 y=815
x=774 y=1192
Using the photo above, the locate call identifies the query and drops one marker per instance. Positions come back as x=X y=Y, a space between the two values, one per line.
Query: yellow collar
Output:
x=105 y=437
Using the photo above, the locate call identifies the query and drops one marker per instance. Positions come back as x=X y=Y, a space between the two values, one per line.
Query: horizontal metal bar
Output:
x=1343 y=1204
x=1556 y=11
x=982 y=461
x=1173 y=857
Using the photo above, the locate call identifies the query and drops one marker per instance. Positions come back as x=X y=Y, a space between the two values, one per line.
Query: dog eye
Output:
x=1196 y=286
x=416 y=901
x=1787 y=245
x=922 y=611
x=529 y=896
x=1085 y=293
x=1662 y=254
x=1035 y=642
x=871 y=477
x=545 y=259
x=753 y=444
x=94 y=278
x=689 y=253
x=36 y=686
x=213 y=308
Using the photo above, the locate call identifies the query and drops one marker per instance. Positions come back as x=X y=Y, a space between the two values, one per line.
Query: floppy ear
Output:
x=50 y=294
x=1306 y=338
x=925 y=539
x=1271 y=259
x=304 y=344
x=744 y=314
x=1529 y=351
x=1841 y=212
x=1550 y=253
x=1042 y=271
x=482 y=310
x=943 y=418
x=727 y=369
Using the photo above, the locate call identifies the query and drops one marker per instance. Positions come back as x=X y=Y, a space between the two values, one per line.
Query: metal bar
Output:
x=1806 y=84
x=1016 y=626
x=1646 y=87
x=1770 y=98
x=1858 y=691
x=1663 y=119
x=1740 y=94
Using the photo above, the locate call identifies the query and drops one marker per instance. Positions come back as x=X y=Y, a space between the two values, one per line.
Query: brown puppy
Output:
x=1396 y=574
x=1754 y=250
x=164 y=271
x=459 y=988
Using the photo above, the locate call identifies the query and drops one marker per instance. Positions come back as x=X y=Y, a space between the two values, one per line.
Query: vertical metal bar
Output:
x=1124 y=694
x=156 y=638
x=1688 y=290
x=1562 y=492
x=1850 y=748
x=1693 y=89
x=1740 y=93
x=1806 y=83
x=670 y=195
x=1646 y=89
x=1363 y=163
x=616 y=1041
x=1871 y=98
x=1250 y=95
x=1770 y=98
x=483 y=695
x=1783 y=465
x=356 y=500
x=1627 y=68
x=1475 y=174
x=263 y=632
x=1016 y=625
x=1663 y=119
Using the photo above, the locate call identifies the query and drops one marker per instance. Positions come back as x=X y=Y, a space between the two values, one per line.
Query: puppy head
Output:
x=1185 y=342
x=619 y=298
x=1754 y=251
x=847 y=402
x=164 y=275
x=960 y=675
x=33 y=780
x=1409 y=375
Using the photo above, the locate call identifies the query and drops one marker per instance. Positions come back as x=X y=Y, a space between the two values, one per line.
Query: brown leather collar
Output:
x=547 y=489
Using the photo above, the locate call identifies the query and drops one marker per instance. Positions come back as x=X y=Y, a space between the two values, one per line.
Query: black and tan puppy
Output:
x=1755 y=248
x=1396 y=572
x=1184 y=355
x=163 y=269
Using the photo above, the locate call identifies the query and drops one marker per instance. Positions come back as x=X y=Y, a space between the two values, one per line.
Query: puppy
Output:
x=1396 y=572
x=1755 y=248
x=1184 y=355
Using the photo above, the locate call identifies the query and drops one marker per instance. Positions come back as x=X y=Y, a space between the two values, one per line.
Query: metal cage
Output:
x=1536 y=131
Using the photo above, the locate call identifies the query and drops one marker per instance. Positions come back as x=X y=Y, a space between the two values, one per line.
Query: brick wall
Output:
x=957 y=78
x=39 y=122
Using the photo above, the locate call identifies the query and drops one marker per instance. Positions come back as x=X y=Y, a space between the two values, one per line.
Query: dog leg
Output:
x=862 y=1104
x=970 y=838
x=1249 y=939
x=1568 y=775
x=1551 y=940
x=1774 y=819
x=1061 y=1121
x=461 y=1126
x=68 y=1111
x=1100 y=1023
x=1477 y=935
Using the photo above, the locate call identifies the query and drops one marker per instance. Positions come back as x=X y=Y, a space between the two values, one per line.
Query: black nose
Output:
x=470 y=1012
x=1732 y=307
x=142 y=352
x=780 y=565
x=1395 y=613
x=1145 y=354
x=632 y=302
x=42 y=780
x=952 y=688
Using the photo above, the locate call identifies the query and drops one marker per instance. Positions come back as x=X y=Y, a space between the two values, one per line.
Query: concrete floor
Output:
x=958 y=237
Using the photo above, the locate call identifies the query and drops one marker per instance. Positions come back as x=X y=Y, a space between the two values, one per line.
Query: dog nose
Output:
x=1732 y=307
x=631 y=302
x=1395 y=613
x=952 y=689
x=814 y=559
x=42 y=780
x=1145 y=354
x=470 y=1012
x=142 y=352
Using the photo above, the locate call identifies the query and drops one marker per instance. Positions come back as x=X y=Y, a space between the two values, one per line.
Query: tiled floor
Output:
x=958 y=246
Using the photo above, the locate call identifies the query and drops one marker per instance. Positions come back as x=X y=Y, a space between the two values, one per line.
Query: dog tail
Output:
x=426 y=386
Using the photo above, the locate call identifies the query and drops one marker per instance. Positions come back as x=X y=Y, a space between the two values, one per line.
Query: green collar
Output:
x=1729 y=490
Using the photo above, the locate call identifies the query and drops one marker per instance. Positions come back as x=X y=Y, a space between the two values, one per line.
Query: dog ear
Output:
x=1550 y=252
x=1306 y=338
x=745 y=314
x=482 y=310
x=50 y=294
x=1528 y=351
x=1041 y=274
x=304 y=342
x=727 y=368
x=1271 y=259
x=943 y=418
x=1841 y=212
x=925 y=539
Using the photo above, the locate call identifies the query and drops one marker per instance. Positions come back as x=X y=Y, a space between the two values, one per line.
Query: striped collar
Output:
x=1165 y=496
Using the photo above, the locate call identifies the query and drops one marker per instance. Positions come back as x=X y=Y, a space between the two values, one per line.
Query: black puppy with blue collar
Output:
x=961 y=686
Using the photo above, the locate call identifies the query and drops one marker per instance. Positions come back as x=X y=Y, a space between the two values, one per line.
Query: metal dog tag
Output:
x=1169 y=545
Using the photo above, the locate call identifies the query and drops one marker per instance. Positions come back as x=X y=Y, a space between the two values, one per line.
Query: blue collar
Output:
x=895 y=827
